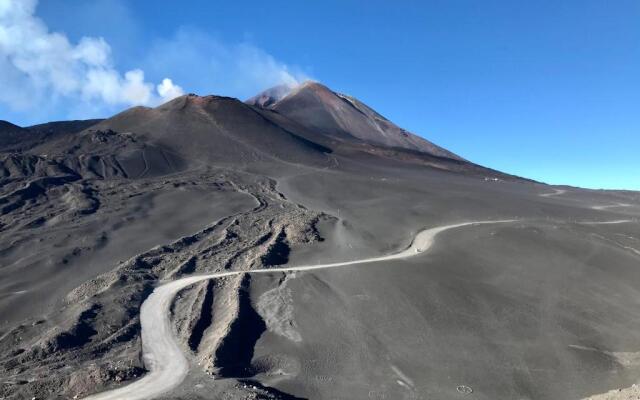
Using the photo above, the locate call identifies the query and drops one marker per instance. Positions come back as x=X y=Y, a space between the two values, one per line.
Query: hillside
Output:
x=301 y=246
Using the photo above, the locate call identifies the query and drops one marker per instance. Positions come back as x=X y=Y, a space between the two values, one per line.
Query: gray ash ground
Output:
x=95 y=215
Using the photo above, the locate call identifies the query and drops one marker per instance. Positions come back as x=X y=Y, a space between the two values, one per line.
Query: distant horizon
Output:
x=382 y=113
x=546 y=91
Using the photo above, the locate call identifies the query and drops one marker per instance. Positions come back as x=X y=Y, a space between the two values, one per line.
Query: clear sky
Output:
x=545 y=89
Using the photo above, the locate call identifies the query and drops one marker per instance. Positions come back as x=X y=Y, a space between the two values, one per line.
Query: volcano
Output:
x=317 y=107
x=299 y=245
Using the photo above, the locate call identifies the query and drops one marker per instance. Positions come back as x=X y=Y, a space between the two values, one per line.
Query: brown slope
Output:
x=318 y=108
x=213 y=128
x=191 y=130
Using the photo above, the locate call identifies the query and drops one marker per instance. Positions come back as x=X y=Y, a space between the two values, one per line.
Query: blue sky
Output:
x=549 y=90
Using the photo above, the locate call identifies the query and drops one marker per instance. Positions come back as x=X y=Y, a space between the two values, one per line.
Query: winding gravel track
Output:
x=606 y=207
x=556 y=192
x=163 y=357
x=618 y=221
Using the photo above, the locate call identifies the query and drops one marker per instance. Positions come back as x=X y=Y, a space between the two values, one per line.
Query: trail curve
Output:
x=616 y=205
x=161 y=353
x=556 y=192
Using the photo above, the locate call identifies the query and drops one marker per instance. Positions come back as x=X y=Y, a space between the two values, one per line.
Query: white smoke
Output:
x=258 y=66
x=35 y=62
x=167 y=90
x=200 y=59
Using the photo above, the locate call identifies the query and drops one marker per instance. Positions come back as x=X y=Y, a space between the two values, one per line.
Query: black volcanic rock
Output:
x=16 y=138
x=64 y=127
x=12 y=137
